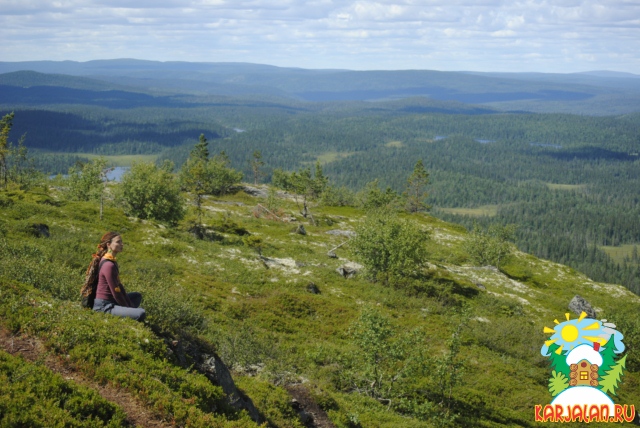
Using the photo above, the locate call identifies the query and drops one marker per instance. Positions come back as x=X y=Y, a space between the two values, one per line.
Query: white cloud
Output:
x=547 y=35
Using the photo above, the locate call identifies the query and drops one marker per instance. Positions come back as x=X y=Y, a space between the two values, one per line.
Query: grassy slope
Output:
x=270 y=329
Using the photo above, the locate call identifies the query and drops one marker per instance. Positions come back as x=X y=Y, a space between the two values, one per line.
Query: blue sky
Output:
x=480 y=35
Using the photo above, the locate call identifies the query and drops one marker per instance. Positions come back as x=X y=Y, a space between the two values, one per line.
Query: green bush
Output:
x=389 y=247
x=373 y=198
x=151 y=192
x=337 y=197
x=492 y=246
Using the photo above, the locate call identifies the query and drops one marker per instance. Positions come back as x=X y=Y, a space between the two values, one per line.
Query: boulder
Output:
x=300 y=230
x=579 y=305
x=347 y=271
x=313 y=288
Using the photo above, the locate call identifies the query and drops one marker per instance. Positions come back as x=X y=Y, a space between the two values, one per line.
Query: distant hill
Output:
x=597 y=93
x=28 y=79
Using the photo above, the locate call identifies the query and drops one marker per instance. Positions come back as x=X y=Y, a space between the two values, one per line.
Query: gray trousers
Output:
x=136 y=313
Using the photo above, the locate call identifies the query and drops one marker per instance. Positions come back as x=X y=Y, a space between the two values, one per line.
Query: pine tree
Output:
x=415 y=193
x=610 y=381
x=201 y=149
x=256 y=164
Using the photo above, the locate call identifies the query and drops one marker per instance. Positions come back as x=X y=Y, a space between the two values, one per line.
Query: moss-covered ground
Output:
x=256 y=305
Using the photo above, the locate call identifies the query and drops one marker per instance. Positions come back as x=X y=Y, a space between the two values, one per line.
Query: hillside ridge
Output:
x=272 y=328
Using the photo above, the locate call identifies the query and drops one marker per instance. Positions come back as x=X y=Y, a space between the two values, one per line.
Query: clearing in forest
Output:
x=481 y=211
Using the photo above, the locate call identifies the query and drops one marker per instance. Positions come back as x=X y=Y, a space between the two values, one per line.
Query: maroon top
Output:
x=109 y=285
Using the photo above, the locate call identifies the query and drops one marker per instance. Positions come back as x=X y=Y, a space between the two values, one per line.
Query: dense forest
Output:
x=570 y=182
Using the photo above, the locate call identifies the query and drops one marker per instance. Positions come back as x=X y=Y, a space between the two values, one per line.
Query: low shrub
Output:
x=31 y=395
x=134 y=358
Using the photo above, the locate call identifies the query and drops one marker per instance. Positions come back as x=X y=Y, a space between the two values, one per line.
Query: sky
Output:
x=560 y=36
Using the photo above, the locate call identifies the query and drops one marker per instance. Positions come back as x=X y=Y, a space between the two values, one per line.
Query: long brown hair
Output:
x=91 y=276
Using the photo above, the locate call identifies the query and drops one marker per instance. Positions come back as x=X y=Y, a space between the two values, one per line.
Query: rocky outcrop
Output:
x=218 y=373
x=258 y=192
x=339 y=232
x=191 y=352
x=349 y=270
x=579 y=305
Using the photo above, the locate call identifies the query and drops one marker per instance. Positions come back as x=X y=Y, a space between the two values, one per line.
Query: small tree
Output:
x=373 y=198
x=202 y=175
x=6 y=123
x=86 y=181
x=151 y=192
x=256 y=164
x=21 y=167
x=337 y=197
x=492 y=246
x=223 y=177
x=389 y=247
x=416 y=193
x=304 y=187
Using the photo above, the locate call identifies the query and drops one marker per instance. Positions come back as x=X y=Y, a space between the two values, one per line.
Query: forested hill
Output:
x=571 y=93
x=569 y=181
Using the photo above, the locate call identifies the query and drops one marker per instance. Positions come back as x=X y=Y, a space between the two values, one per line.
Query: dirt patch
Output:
x=310 y=413
x=31 y=349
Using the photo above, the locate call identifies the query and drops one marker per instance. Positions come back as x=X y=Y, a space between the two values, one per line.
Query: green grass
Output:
x=328 y=157
x=619 y=253
x=565 y=187
x=482 y=211
x=266 y=325
x=395 y=144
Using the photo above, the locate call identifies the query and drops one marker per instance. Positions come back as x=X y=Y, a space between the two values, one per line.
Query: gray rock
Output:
x=190 y=354
x=347 y=271
x=480 y=286
x=332 y=254
x=219 y=374
x=300 y=230
x=579 y=305
x=312 y=288
x=339 y=232
x=255 y=191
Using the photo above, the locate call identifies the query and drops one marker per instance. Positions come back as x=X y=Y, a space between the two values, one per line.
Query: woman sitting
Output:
x=111 y=296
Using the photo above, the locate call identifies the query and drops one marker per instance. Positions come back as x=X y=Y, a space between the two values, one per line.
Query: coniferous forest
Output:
x=569 y=182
